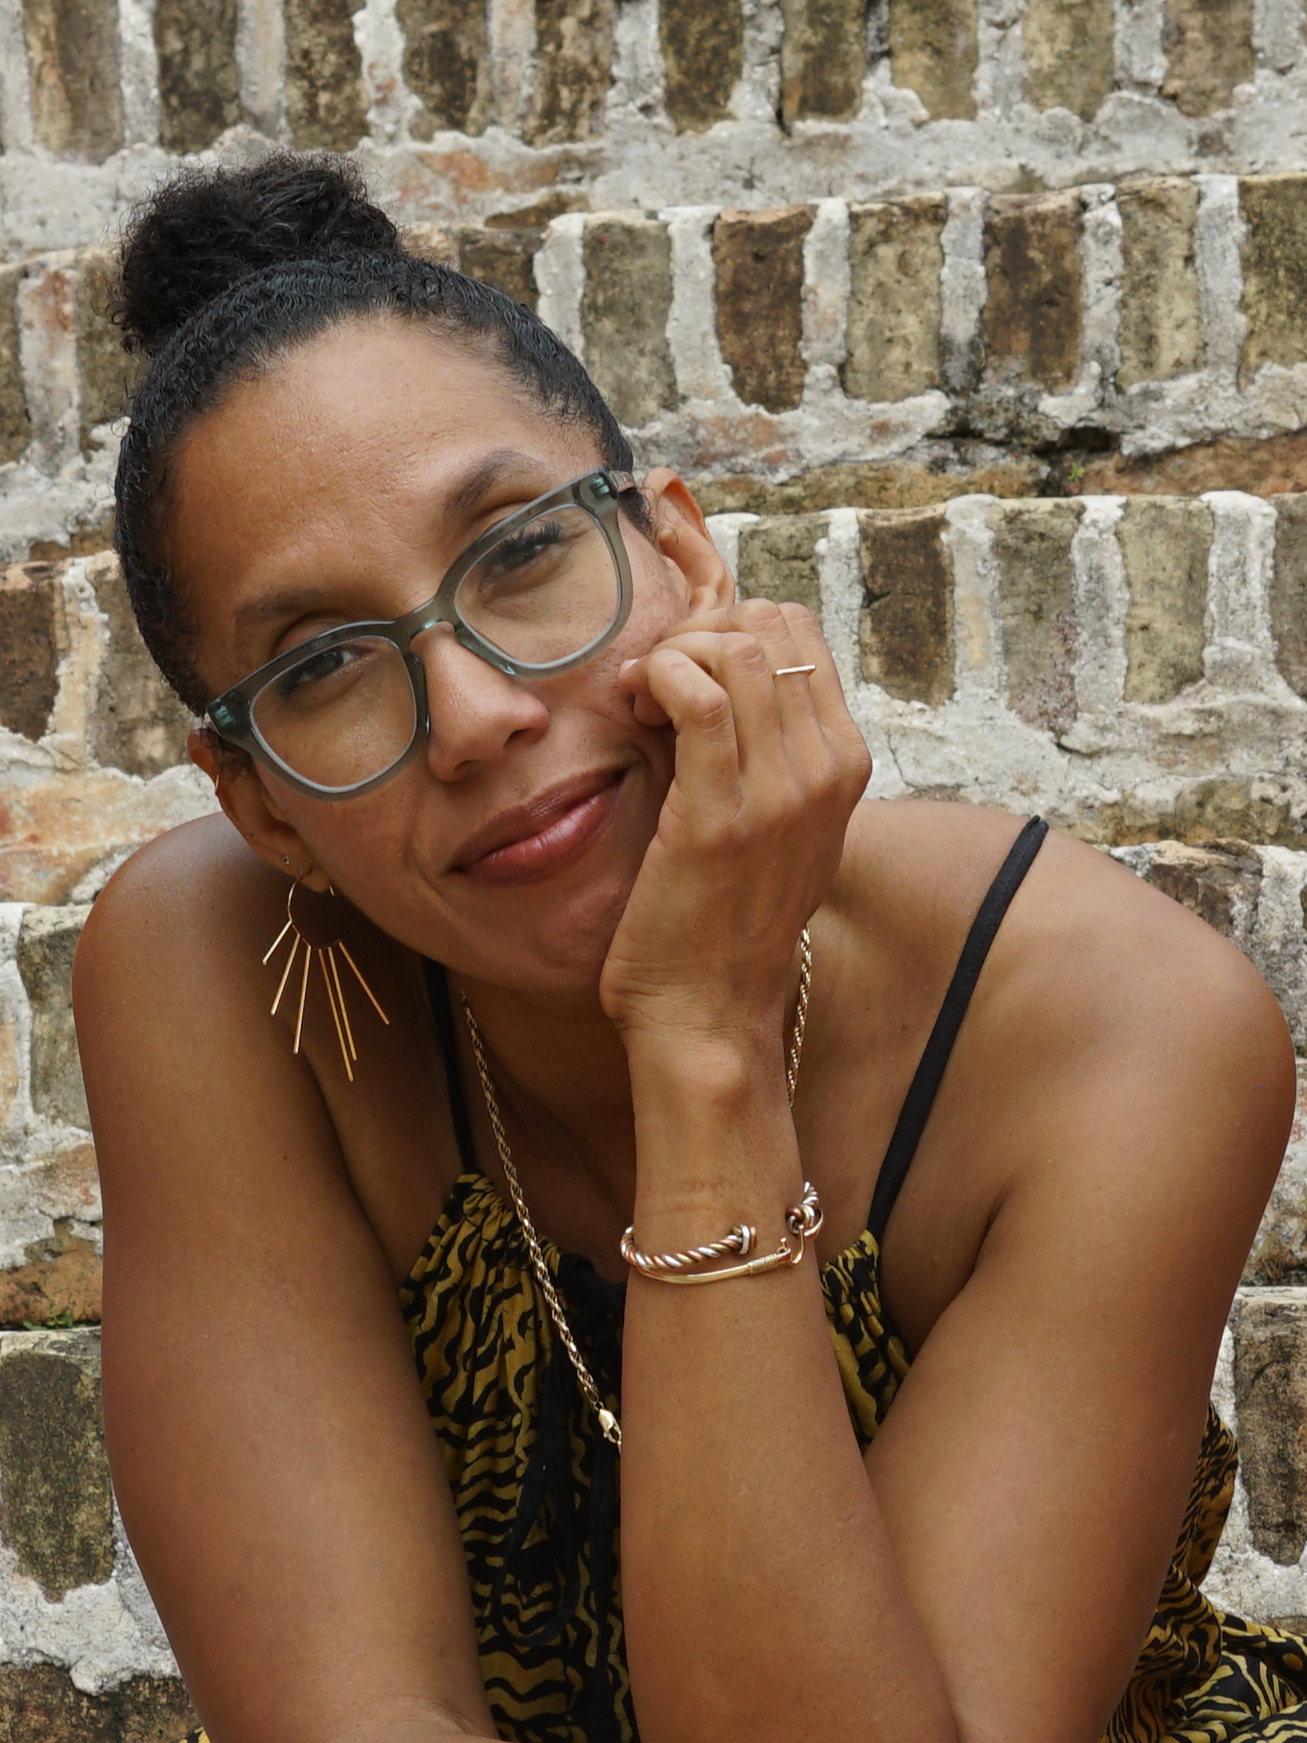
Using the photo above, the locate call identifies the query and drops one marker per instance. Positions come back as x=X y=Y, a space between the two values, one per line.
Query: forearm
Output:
x=760 y=1593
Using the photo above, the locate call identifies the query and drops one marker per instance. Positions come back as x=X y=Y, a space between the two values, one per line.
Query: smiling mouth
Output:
x=545 y=836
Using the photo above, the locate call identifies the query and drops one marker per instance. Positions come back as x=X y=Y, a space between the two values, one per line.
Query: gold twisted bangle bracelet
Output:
x=802 y=1222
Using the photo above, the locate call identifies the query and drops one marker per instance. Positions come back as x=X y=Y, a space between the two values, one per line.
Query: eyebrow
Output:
x=466 y=492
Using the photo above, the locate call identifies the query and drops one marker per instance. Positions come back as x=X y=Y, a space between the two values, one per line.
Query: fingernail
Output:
x=624 y=668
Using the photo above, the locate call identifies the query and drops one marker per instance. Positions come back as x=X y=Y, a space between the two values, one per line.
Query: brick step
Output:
x=1133 y=667
x=890 y=353
x=765 y=100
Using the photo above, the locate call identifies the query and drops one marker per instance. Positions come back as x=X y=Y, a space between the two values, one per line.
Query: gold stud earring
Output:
x=326 y=957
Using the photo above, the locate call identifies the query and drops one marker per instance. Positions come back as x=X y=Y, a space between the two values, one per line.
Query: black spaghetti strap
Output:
x=442 y=1015
x=924 y=1087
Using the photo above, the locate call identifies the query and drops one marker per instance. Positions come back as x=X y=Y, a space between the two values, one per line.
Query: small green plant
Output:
x=57 y=1321
x=1074 y=472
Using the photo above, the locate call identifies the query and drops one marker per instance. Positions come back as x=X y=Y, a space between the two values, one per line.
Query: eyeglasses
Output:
x=540 y=592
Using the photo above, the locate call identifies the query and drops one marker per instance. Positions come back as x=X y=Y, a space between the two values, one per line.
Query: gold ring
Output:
x=792 y=671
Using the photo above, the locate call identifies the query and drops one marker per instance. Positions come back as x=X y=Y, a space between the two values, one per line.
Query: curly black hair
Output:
x=225 y=269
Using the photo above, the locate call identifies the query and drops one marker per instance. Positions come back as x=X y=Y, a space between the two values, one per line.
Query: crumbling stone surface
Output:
x=504 y=258
x=1165 y=544
x=934 y=51
x=778 y=561
x=628 y=293
x=57 y=1515
x=1289 y=590
x=199 y=83
x=1069 y=58
x=1270 y=1385
x=572 y=69
x=140 y=726
x=823 y=58
x=40 y=1703
x=1274 y=210
x=325 y=100
x=73 y=66
x=895 y=259
x=1032 y=318
x=905 y=627
x=45 y=961
x=15 y=423
x=759 y=260
x=1209 y=51
x=1161 y=328
x=1037 y=605
x=31 y=637
x=703 y=57
x=447 y=63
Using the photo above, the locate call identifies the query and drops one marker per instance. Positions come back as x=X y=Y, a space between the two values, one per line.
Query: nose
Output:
x=476 y=710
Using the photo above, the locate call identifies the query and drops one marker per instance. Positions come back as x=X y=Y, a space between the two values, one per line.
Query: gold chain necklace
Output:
x=608 y=1423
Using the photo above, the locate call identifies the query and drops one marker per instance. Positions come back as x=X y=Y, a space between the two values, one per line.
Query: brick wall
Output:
x=978 y=326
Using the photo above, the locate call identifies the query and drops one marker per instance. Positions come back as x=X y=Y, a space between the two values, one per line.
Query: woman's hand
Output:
x=768 y=770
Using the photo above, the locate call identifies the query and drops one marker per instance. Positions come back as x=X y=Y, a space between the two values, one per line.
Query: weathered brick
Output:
x=105 y=371
x=61 y=1276
x=139 y=725
x=432 y=242
x=778 y=560
x=905 y=628
x=325 y=101
x=870 y=484
x=1274 y=211
x=624 y=309
x=823 y=58
x=1218 y=881
x=1289 y=590
x=15 y=425
x=895 y=257
x=1037 y=604
x=759 y=260
x=40 y=1703
x=1209 y=50
x=72 y=58
x=1270 y=1388
x=446 y=63
x=504 y=258
x=1068 y=54
x=199 y=85
x=573 y=69
x=54 y=1476
x=1032 y=316
x=934 y=52
x=31 y=635
x=1160 y=327
x=1263 y=466
x=46 y=946
x=703 y=55
x=1165 y=542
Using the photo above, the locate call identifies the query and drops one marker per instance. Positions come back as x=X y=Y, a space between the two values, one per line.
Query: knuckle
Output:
x=798 y=617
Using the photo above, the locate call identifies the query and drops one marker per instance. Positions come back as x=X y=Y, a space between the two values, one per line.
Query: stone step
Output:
x=1136 y=338
x=75 y=1603
x=1133 y=667
x=752 y=101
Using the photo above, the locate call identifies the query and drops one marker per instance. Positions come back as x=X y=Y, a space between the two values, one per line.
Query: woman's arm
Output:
x=269 y=1443
x=990 y=1572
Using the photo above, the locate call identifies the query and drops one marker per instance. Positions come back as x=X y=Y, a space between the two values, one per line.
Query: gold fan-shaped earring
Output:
x=326 y=956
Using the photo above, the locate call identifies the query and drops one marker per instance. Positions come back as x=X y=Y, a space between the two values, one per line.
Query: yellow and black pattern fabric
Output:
x=535 y=1488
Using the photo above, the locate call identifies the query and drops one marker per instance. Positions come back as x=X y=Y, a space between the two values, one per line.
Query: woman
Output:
x=475 y=700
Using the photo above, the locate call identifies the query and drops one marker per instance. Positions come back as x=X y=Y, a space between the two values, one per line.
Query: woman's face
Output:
x=339 y=486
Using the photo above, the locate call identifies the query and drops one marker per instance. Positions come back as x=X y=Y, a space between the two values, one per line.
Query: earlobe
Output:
x=250 y=808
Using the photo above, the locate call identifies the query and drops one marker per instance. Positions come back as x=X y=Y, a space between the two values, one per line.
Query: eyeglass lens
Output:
x=543 y=593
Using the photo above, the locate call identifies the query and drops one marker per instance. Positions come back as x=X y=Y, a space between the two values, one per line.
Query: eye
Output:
x=525 y=547
x=314 y=669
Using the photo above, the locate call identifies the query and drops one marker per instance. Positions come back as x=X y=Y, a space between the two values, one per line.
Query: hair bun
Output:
x=204 y=229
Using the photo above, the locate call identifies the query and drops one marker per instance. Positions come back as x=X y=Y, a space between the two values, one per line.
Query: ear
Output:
x=251 y=808
x=682 y=537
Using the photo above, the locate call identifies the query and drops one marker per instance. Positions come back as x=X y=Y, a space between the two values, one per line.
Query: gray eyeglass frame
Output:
x=598 y=492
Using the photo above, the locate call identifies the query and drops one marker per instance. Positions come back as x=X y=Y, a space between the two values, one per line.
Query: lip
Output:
x=533 y=840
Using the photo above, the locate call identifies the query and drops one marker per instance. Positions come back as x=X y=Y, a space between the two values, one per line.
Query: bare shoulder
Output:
x=1119 y=1058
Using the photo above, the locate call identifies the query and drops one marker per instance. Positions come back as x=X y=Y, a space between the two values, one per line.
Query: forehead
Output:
x=346 y=438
